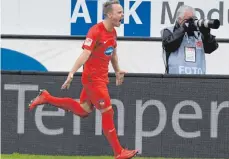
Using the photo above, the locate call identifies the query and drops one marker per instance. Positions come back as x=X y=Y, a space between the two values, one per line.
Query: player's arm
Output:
x=80 y=61
x=87 y=47
x=114 y=61
x=119 y=74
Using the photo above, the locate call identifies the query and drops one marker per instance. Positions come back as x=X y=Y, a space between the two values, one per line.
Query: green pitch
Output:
x=20 y=156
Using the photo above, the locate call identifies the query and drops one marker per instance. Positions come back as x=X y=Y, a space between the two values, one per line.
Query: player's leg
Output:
x=100 y=98
x=69 y=104
x=111 y=134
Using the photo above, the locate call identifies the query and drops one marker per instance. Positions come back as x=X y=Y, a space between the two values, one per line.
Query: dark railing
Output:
x=60 y=37
x=146 y=75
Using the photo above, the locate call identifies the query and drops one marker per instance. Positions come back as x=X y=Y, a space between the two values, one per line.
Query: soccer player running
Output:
x=99 y=48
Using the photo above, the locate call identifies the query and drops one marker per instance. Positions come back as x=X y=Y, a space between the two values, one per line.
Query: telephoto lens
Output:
x=212 y=24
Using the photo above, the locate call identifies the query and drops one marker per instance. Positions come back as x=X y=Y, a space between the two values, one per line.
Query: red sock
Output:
x=110 y=131
x=67 y=104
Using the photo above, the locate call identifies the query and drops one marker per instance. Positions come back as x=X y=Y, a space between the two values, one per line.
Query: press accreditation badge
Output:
x=190 y=54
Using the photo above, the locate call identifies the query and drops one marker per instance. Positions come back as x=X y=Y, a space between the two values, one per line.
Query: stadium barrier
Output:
x=42 y=53
x=72 y=37
x=161 y=115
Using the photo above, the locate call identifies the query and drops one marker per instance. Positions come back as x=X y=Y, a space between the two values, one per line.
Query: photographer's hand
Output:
x=189 y=25
x=185 y=24
x=205 y=31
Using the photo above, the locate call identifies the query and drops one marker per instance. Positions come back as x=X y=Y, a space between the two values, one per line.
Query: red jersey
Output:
x=101 y=43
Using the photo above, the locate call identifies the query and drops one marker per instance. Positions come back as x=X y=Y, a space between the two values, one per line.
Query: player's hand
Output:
x=119 y=77
x=68 y=81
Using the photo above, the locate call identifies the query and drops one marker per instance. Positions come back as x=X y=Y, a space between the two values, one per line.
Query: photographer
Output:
x=185 y=44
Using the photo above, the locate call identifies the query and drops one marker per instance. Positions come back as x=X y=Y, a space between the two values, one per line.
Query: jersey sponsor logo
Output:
x=105 y=41
x=88 y=42
x=109 y=51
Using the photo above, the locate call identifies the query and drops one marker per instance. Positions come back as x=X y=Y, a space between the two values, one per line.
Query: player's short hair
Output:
x=107 y=6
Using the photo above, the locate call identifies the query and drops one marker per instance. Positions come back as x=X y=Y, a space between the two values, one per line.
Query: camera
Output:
x=212 y=24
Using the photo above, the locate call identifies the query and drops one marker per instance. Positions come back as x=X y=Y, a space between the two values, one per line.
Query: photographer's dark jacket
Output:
x=178 y=48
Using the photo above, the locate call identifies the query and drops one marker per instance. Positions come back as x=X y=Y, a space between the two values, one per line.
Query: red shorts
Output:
x=97 y=94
